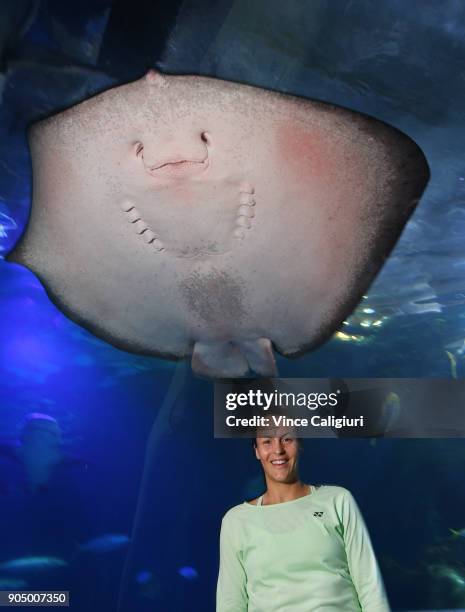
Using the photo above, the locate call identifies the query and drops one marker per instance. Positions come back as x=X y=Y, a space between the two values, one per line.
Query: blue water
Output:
x=401 y=63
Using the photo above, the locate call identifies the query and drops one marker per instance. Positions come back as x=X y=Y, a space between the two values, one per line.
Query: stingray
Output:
x=181 y=216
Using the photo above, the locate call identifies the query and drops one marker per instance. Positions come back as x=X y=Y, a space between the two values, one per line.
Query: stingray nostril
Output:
x=138 y=148
x=205 y=136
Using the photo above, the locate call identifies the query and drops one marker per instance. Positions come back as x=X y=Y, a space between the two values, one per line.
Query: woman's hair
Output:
x=254 y=442
x=268 y=386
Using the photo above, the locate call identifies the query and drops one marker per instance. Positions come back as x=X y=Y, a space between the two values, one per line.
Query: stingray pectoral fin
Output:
x=260 y=356
x=219 y=360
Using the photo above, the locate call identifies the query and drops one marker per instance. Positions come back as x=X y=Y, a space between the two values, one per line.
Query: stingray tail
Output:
x=159 y=426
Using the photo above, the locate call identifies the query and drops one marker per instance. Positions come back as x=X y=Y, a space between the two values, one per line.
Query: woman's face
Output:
x=278 y=454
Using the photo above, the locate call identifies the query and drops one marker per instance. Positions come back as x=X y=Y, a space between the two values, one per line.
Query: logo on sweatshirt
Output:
x=318 y=514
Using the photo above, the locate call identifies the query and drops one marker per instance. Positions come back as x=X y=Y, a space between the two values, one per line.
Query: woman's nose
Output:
x=278 y=446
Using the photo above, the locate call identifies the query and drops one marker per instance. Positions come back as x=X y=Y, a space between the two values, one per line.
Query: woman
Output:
x=297 y=548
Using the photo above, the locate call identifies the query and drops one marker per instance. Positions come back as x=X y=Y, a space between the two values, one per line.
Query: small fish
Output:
x=149 y=586
x=451 y=574
x=105 y=543
x=144 y=577
x=11 y=584
x=457 y=533
x=33 y=563
x=390 y=413
x=453 y=364
x=189 y=573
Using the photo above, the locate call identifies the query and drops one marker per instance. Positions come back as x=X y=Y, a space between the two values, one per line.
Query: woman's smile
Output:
x=279 y=462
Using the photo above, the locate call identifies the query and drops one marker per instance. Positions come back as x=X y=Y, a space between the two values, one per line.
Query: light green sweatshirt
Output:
x=306 y=555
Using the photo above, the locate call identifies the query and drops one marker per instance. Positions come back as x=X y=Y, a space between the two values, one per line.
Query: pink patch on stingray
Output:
x=304 y=153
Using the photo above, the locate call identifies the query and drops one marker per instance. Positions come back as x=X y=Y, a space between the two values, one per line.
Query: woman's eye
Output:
x=139 y=149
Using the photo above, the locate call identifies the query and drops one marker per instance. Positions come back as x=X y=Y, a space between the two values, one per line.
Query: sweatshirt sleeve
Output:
x=362 y=562
x=231 y=591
